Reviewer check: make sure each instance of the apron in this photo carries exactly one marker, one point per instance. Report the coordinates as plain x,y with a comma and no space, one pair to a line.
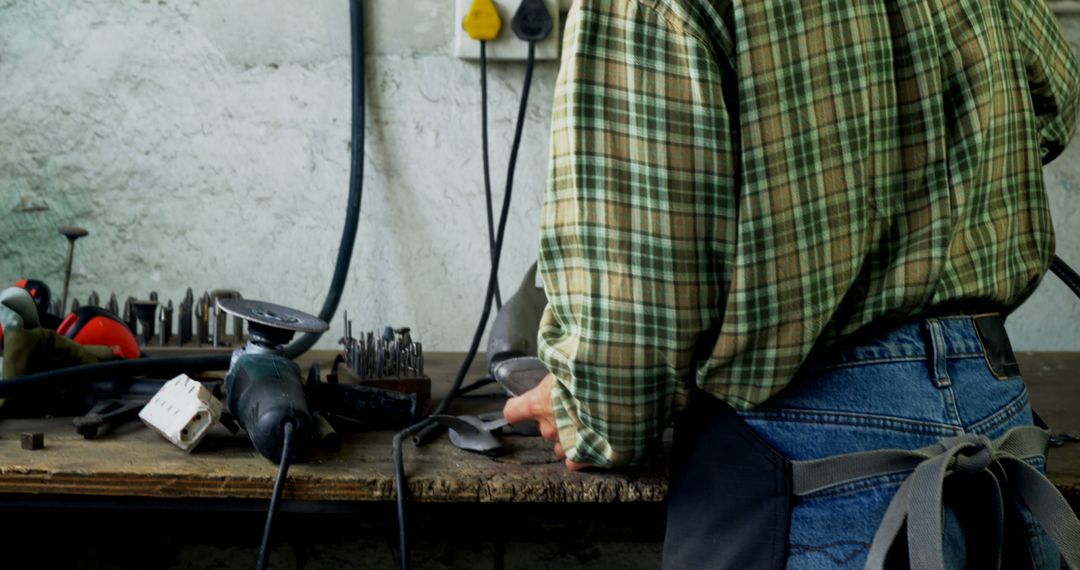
731,493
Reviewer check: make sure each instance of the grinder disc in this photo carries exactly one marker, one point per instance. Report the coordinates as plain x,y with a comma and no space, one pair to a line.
271,315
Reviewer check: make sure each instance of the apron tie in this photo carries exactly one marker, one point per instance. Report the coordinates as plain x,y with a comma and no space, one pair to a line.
991,471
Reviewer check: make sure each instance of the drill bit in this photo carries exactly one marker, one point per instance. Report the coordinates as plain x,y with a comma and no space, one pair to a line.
238,331
129,314
166,324
145,311
204,334
202,324
238,328
217,326
345,322
184,326
370,353
161,326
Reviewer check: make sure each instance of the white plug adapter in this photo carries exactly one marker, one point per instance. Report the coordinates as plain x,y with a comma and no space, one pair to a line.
182,411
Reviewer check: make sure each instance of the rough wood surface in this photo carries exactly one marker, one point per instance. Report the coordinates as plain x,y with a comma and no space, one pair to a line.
136,462
1053,380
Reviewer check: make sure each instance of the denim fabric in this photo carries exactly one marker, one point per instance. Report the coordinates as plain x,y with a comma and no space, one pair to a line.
904,388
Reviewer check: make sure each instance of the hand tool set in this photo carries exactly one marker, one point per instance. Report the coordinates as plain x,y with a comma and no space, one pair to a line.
389,360
389,353
193,323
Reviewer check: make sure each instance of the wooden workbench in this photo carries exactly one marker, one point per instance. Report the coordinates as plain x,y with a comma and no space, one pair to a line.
136,462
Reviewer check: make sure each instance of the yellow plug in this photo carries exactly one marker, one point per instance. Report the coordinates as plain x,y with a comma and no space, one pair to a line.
483,21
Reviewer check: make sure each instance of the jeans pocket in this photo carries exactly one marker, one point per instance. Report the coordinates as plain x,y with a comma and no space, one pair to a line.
836,529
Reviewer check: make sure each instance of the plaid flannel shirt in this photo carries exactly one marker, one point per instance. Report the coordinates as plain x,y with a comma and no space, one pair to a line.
776,175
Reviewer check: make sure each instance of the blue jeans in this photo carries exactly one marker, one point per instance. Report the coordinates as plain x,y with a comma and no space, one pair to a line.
907,387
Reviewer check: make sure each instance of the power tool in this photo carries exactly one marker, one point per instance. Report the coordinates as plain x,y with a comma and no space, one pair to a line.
262,388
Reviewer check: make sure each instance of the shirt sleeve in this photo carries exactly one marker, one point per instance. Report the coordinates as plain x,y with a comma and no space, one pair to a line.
637,225
1051,72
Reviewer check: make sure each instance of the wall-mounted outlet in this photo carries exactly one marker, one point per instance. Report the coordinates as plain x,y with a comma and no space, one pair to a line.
507,46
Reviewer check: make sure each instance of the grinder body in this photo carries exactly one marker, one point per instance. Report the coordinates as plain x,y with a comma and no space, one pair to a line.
263,392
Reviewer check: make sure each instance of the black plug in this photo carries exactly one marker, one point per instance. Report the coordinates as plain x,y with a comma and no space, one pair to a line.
532,22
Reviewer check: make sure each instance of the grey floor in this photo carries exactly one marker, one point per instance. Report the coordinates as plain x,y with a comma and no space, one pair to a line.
61,532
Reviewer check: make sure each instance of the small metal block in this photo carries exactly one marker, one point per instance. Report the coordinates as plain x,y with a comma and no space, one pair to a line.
33,440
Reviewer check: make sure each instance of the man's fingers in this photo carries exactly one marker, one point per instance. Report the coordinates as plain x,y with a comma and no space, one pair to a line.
549,431
516,410
532,405
536,405
571,466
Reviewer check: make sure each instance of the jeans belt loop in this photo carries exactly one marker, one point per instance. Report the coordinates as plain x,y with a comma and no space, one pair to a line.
938,360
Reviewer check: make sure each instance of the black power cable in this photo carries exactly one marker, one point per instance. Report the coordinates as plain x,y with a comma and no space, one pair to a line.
86,374
1066,274
399,463
356,185
487,162
275,497
476,385
169,366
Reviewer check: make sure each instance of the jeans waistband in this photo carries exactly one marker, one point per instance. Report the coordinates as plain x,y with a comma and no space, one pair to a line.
931,338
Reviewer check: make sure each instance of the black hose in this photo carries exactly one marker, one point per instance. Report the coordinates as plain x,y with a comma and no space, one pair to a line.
398,459
170,366
356,186
1066,274
487,162
476,385
275,497
401,490
89,373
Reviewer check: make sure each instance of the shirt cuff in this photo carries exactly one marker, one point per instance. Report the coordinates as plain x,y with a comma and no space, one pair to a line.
579,442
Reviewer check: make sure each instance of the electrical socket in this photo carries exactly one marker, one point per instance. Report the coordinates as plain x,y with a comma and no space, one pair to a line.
182,411
507,46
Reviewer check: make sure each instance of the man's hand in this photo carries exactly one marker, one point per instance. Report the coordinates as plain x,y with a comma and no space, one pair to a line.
536,405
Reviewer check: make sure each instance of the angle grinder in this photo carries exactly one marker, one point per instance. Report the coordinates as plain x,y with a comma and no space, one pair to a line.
263,389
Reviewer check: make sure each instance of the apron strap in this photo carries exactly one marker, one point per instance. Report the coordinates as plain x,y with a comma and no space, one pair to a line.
919,502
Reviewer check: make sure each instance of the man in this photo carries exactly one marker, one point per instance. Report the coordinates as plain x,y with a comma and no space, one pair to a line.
795,210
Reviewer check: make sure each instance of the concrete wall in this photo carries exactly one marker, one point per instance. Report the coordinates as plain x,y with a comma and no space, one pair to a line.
206,144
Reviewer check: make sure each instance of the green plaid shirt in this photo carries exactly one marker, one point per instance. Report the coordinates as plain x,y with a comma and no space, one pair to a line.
780,174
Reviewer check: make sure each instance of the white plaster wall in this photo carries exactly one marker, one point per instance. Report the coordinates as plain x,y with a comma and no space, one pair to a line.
206,144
